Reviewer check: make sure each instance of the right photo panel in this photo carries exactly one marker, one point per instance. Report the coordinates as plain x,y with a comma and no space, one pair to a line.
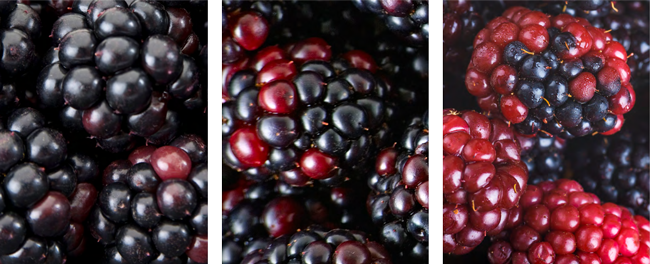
325,132
545,132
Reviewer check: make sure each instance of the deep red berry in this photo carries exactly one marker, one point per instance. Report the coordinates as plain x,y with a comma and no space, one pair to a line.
279,97
311,49
249,29
171,163
248,147
316,164
282,216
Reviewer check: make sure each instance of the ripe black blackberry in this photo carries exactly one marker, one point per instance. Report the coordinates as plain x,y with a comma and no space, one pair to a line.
317,244
398,202
409,20
46,194
544,157
305,111
558,75
256,213
118,71
615,167
153,206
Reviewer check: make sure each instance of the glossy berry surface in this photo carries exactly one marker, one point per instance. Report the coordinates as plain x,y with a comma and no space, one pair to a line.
305,110
147,211
581,229
557,75
483,179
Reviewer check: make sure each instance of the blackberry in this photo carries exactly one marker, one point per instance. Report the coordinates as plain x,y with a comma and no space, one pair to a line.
614,167
120,72
574,72
46,194
483,179
561,223
398,203
155,208
544,157
256,213
407,19
317,244
318,114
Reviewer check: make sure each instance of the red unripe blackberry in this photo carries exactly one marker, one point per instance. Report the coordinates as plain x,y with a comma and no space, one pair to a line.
483,178
581,231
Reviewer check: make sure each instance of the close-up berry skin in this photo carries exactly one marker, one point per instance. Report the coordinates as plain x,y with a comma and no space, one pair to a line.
557,75
305,111
483,179
561,223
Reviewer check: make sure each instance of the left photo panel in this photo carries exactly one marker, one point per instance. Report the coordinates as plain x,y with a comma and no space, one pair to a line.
103,131
325,132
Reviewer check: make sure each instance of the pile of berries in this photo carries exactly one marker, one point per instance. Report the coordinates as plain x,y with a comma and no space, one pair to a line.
554,80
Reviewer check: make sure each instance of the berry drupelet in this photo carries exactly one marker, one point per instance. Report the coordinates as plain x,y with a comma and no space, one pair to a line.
407,19
558,75
560,223
46,195
483,179
301,111
255,213
399,200
543,155
153,206
118,71
615,167
317,244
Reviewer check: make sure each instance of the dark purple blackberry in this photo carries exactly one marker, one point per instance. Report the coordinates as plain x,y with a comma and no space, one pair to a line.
257,213
46,194
407,19
155,207
614,167
398,203
319,115
317,244
122,70
544,157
